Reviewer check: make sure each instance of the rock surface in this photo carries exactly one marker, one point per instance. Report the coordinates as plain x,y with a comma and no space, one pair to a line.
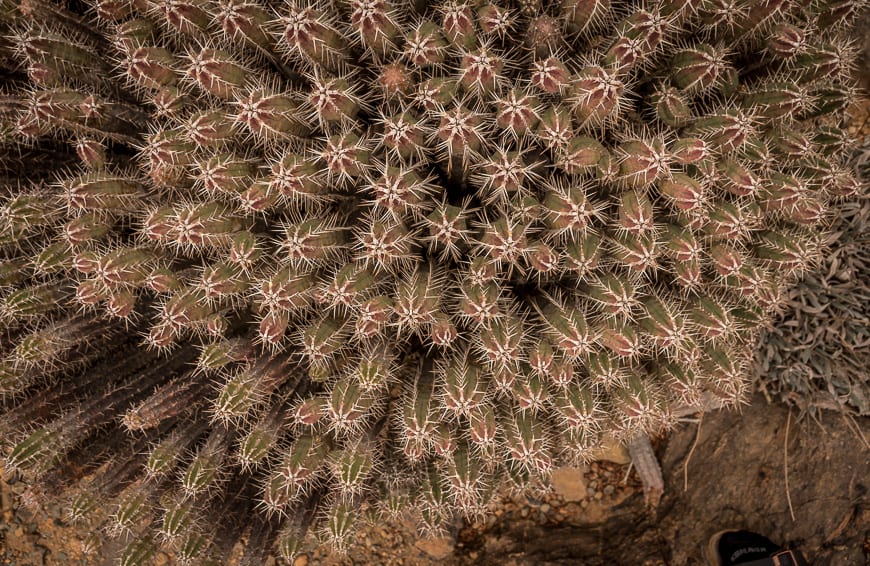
569,483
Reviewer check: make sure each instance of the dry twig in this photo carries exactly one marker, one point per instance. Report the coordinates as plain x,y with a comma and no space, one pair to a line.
691,451
785,465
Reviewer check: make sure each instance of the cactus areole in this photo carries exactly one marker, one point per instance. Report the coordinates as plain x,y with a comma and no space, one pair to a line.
270,270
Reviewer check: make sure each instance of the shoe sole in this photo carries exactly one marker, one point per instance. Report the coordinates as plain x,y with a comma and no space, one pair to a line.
711,552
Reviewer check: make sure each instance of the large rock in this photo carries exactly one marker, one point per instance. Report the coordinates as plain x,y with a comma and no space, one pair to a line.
438,548
569,483
612,451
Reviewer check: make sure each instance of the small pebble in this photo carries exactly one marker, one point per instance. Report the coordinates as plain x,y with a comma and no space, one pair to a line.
608,490
545,508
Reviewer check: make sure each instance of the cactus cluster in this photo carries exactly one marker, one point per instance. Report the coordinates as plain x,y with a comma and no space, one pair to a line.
272,269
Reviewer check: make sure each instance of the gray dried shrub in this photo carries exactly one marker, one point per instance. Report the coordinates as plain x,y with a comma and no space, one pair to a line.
816,353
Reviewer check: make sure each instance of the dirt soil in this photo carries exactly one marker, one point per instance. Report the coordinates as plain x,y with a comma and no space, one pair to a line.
734,477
